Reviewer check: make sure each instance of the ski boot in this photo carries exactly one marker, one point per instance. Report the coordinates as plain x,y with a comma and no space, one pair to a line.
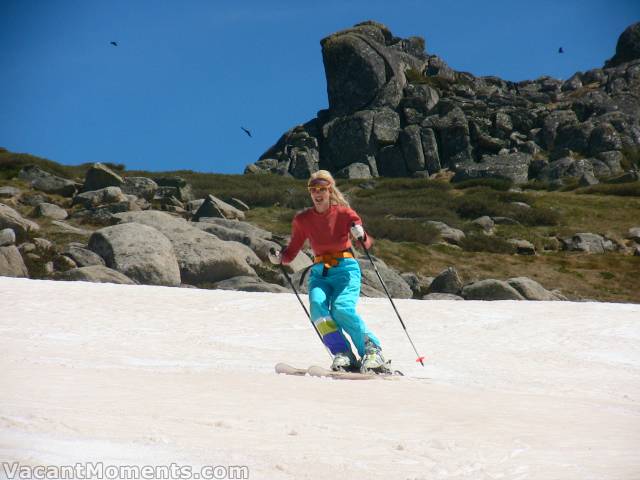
344,362
373,361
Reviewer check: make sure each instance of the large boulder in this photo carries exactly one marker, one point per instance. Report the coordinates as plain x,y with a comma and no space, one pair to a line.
386,127
177,187
573,137
355,68
357,170
22,227
100,176
50,210
202,257
430,150
523,247
490,290
348,139
411,144
613,161
11,263
47,182
250,284
64,227
391,162
551,124
303,161
261,246
214,207
246,227
441,296
83,257
93,198
141,187
396,285
588,243
7,237
511,166
138,251
95,274
531,290
9,192
447,281
604,138
448,234
628,46
452,128
55,185
566,167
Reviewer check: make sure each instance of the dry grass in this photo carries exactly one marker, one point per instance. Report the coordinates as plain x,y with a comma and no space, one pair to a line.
612,277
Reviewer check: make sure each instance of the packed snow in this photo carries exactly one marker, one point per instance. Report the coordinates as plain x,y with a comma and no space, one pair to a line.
142,375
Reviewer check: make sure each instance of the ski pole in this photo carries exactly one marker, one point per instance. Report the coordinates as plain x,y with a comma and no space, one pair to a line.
420,358
286,275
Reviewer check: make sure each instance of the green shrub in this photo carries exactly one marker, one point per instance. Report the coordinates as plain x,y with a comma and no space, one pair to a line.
383,185
479,242
408,230
11,164
427,203
536,185
631,158
477,205
480,202
631,189
537,216
500,184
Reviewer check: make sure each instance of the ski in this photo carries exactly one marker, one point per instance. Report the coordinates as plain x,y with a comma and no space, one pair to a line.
316,371
287,369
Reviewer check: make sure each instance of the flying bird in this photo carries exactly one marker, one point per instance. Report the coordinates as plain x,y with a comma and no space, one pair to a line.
561,50
115,44
246,131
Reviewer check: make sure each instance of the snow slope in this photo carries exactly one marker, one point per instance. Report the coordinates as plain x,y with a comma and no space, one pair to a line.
151,375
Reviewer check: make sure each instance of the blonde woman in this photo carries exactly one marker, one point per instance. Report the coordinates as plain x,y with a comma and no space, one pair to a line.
334,279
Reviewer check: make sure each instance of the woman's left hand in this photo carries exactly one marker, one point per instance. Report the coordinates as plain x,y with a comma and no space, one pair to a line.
357,231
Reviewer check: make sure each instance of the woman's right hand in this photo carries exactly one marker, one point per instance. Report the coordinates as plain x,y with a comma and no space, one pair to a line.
275,256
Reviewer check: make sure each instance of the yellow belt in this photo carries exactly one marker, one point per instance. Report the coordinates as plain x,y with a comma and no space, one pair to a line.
331,259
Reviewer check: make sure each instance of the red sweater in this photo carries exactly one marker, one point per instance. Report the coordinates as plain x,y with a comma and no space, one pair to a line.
327,232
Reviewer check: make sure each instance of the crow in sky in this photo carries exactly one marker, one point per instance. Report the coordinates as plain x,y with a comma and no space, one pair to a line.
246,131
115,44
561,50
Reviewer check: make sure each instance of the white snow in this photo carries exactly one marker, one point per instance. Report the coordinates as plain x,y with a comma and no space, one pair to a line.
141,375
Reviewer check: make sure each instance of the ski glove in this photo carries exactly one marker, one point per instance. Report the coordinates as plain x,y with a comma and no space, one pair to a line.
357,231
275,257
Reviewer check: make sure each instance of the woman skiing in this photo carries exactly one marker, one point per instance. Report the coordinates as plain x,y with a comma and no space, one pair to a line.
334,279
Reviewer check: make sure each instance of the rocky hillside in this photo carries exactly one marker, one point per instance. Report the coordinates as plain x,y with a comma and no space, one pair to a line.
434,239
397,111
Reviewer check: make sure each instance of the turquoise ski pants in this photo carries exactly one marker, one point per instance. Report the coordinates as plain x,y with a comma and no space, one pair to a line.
333,298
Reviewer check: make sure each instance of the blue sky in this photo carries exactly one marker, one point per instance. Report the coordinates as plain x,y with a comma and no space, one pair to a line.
186,75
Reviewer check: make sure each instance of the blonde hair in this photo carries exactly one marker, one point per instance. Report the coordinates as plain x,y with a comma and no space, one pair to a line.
335,196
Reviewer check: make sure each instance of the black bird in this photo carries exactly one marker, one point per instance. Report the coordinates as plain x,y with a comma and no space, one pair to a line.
560,50
246,131
115,44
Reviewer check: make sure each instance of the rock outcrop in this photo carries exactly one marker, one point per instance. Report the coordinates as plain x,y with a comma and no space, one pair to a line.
396,110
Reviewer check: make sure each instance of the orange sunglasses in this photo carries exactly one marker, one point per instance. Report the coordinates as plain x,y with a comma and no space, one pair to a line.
318,189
